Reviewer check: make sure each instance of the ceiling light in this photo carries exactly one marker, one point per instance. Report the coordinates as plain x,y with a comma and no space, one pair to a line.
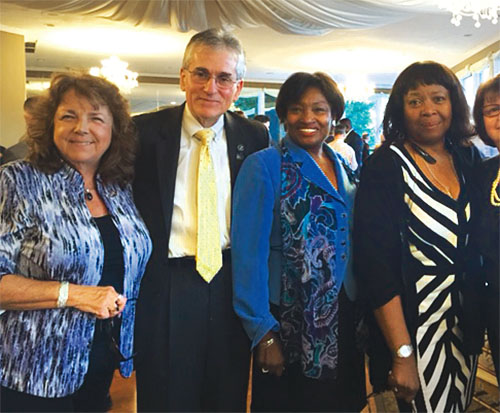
357,88
121,42
37,85
477,9
115,70
348,61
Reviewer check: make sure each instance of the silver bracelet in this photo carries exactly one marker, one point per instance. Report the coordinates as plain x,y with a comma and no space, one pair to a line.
267,343
63,294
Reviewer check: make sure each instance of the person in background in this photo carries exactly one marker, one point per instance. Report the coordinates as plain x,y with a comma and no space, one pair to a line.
342,148
353,140
412,223
365,137
72,252
193,353
20,149
266,120
291,252
486,114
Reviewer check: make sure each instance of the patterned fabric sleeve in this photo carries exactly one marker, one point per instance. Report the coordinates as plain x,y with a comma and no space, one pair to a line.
13,221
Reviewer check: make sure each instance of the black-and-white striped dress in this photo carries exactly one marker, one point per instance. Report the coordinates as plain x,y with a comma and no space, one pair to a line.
437,238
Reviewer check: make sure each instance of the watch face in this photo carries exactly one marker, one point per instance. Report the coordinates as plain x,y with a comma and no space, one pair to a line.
405,351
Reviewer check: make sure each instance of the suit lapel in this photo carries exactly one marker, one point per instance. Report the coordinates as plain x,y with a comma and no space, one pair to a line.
235,146
167,157
311,170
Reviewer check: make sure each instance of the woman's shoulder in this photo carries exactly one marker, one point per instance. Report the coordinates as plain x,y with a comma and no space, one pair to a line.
490,164
19,170
268,157
487,170
467,154
382,163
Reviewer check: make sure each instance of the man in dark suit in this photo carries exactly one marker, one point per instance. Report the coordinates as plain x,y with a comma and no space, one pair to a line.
353,140
20,149
193,354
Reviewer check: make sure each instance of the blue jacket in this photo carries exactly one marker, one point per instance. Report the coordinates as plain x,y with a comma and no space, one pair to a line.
256,245
47,233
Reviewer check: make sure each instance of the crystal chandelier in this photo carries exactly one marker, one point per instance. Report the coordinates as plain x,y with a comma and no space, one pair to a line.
115,70
477,9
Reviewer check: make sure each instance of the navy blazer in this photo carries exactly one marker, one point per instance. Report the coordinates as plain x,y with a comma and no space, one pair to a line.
256,233
154,188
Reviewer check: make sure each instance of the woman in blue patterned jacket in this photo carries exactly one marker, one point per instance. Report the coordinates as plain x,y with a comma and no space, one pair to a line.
72,252
290,243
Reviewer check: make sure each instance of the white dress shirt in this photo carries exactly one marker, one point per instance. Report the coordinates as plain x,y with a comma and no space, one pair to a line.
183,234
345,151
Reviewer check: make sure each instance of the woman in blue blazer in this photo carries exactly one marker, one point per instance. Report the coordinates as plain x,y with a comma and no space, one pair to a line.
291,259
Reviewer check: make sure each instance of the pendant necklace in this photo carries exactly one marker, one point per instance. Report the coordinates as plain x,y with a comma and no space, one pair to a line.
494,198
429,159
436,182
88,195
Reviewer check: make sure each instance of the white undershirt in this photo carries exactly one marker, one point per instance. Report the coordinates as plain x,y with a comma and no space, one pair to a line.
183,234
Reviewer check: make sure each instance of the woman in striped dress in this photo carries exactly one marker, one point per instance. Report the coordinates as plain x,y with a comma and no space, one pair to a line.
411,230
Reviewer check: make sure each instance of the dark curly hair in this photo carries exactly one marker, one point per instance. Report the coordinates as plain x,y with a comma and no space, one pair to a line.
295,86
427,73
491,86
117,163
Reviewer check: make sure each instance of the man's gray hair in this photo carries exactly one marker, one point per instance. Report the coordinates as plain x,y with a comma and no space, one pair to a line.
216,39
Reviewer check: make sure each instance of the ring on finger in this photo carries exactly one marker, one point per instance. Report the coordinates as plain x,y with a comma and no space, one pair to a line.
117,306
265,371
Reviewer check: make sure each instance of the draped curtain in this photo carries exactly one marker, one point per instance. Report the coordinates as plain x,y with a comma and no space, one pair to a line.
306,17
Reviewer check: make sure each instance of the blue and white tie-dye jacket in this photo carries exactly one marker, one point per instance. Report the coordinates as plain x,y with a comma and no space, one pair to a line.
47,233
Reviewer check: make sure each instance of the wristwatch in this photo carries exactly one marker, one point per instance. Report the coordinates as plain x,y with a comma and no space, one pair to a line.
404,351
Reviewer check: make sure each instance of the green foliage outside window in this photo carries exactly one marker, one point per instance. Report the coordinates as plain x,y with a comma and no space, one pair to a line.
359,114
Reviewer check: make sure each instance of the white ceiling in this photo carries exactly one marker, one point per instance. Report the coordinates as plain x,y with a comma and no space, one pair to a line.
70,40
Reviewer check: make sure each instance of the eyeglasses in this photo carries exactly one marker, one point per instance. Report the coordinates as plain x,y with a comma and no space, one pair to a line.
491,111
201,77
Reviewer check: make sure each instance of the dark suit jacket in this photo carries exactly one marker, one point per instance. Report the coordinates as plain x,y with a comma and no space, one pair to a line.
154,187
355,141
14,152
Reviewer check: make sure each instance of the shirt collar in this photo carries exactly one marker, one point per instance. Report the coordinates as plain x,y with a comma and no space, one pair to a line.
191,125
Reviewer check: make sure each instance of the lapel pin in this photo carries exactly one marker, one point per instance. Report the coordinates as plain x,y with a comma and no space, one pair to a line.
239,152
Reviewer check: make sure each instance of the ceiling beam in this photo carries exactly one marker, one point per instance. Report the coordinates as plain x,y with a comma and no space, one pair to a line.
492,48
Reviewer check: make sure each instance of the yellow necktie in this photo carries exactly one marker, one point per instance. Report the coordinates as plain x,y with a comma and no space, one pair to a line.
208,252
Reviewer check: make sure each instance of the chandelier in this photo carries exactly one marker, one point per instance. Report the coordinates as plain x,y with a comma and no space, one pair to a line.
115,70
477,9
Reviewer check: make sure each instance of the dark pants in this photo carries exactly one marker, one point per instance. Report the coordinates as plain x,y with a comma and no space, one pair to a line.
200,358
14,401
296,393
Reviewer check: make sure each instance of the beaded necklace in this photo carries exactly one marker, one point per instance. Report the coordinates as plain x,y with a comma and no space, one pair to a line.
494,198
